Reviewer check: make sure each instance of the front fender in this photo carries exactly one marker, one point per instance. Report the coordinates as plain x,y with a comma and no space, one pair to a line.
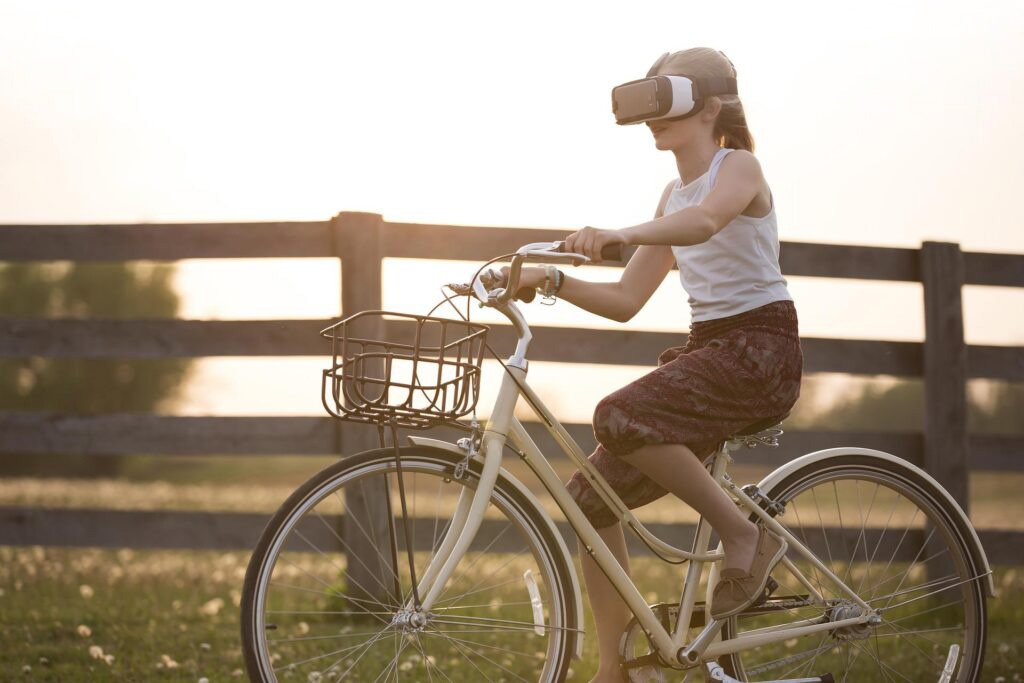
526,493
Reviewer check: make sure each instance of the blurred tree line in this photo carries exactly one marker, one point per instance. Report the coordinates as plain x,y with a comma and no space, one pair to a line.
77,385
899,407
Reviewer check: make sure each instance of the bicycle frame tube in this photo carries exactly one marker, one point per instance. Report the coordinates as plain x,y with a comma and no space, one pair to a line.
464,526
470,509
668,645
503,426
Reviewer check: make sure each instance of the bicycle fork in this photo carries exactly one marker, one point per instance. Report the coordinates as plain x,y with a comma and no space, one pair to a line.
469,511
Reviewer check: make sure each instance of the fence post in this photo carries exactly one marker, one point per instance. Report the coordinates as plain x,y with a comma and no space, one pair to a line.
357,240
945,381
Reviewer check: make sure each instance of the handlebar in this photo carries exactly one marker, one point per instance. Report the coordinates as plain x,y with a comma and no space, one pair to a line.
486,286
550,252
611,252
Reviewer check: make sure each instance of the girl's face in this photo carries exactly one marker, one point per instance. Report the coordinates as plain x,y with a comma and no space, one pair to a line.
670,135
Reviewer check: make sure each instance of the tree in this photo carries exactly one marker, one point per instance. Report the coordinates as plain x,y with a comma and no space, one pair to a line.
1003,413
85,386
899,407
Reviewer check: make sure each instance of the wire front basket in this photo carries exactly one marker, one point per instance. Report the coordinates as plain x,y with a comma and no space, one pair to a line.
428,374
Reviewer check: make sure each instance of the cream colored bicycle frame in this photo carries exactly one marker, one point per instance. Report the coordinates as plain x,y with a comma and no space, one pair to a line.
503,427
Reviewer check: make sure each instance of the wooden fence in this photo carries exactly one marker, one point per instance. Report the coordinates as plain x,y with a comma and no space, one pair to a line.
361,241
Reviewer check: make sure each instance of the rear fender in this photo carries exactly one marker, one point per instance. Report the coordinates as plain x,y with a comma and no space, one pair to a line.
977,551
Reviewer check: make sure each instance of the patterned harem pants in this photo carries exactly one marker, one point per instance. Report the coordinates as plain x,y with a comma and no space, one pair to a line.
731,373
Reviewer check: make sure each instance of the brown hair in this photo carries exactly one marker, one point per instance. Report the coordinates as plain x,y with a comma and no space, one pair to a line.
731,125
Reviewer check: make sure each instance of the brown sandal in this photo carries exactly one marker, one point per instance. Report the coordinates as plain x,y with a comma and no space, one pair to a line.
737,589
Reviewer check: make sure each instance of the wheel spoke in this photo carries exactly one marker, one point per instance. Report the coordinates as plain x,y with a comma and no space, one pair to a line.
881,533
461,645
483,616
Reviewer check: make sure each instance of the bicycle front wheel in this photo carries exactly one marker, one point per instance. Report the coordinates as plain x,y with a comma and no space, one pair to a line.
891,536
329,585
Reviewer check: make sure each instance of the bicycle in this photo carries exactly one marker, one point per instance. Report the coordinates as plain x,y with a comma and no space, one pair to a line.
430,561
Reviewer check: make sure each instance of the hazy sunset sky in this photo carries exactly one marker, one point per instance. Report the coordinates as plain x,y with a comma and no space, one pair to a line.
879,123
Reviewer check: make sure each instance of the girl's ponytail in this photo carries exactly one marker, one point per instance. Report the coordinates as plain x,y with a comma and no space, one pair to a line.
731,126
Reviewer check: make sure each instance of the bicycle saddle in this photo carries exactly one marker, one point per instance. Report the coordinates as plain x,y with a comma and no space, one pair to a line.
761,425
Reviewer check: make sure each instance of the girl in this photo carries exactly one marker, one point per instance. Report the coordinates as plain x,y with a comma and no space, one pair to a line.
742,361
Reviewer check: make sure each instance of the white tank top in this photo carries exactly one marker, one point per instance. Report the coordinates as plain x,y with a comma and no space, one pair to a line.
737,270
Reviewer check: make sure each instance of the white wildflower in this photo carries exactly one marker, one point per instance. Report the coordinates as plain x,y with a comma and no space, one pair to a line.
83,631
212,607
86,591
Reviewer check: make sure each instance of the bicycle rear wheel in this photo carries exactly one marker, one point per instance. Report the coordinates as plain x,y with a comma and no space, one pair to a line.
326,587
892,537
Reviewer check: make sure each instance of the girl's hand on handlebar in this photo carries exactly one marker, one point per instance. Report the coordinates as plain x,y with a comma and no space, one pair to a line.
590,241
530,278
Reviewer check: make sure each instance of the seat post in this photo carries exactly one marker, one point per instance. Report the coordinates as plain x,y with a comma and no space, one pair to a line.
720,460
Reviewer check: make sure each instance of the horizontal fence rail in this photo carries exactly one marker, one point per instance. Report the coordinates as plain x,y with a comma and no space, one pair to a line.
361,241
84,527
171,241
198,338
38,433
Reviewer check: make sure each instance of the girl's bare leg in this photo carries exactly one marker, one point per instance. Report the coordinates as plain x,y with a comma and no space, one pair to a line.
677,469
610,612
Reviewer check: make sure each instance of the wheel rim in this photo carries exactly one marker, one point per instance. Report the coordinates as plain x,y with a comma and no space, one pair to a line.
319,615
893,543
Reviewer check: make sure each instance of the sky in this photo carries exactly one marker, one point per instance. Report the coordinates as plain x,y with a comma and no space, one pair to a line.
876,123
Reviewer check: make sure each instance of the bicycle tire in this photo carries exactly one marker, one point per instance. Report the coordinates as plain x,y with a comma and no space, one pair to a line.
450,634
931,614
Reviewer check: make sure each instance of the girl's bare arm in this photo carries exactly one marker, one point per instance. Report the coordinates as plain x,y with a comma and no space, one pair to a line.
739,181
623,299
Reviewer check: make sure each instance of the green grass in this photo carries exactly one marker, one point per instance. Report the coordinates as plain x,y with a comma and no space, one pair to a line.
174,615
165,615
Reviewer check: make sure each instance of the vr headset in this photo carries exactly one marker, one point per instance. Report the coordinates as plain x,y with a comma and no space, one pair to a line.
669,98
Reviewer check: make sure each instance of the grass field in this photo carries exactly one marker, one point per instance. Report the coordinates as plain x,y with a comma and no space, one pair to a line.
89,614
132,615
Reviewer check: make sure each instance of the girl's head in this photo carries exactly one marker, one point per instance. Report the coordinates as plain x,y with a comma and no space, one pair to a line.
722,114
